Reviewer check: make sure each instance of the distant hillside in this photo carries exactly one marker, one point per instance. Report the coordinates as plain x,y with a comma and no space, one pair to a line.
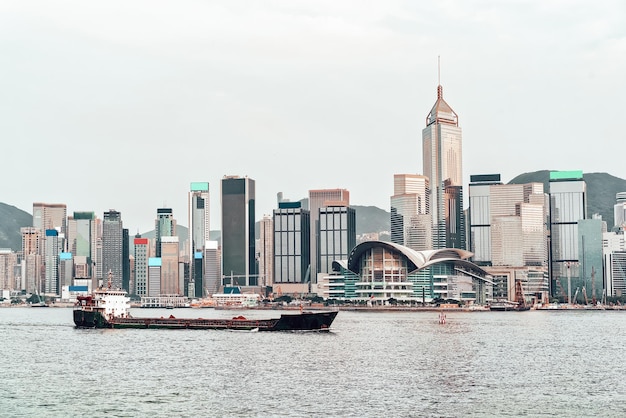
601,190
11,220
371,219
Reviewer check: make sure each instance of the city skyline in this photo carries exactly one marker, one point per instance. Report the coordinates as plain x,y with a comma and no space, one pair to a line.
268,89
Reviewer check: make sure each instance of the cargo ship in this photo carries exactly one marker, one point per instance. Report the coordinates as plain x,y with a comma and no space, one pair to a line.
107,308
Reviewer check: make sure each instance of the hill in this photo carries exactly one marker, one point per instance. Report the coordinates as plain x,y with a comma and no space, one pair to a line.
371,219
11,220
601,191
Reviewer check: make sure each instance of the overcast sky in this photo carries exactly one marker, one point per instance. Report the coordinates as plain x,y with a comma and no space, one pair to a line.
121,104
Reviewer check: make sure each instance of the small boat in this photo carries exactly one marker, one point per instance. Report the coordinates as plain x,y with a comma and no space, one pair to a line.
107,308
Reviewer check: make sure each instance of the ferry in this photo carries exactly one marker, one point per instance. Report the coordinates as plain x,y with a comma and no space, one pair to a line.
108,308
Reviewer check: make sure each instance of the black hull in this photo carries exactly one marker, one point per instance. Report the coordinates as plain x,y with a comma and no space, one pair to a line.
509,308
307,321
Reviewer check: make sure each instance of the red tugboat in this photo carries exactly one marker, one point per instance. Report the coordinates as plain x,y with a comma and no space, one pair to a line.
108,308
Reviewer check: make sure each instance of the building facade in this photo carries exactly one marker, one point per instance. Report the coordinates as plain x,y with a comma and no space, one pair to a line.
81,242
51,262
113,248
590,242
410,221
238,231
568,205
154,276
170,278
619,210
198,206
142,254
442,164
508,235
265,248
614,255
336,235
8,264
318,199
212,268
164,226
291,244
380,272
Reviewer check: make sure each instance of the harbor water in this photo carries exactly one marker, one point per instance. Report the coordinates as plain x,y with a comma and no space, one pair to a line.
402,364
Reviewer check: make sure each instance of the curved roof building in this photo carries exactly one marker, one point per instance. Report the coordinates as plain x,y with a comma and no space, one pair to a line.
379,271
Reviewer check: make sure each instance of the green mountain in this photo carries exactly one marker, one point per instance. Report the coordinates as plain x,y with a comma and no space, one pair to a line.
11,220
371,219
601,191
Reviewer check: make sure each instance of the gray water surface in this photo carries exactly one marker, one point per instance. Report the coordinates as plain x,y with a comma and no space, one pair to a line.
490,364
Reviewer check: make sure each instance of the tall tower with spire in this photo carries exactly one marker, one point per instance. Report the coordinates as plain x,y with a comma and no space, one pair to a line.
442,158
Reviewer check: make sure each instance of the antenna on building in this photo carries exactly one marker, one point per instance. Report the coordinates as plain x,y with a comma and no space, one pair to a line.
439,88
438,70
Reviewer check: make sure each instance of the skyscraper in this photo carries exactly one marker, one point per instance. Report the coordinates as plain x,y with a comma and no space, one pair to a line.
266,251
112,248
31,259
318,199
50,216
442,160
568,205
336,235
81,237
518,211
170,284
211,266
238,231
619,210
410,221
291,243
154,276
51,260
164,226
142,252
198,206
8,264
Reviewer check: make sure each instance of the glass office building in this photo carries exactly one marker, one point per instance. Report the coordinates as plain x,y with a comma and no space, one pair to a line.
568,205
292,256
337,235
112,248
238,231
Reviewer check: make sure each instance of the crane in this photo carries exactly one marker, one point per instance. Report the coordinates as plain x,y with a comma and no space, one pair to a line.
562,290
585,295
593,286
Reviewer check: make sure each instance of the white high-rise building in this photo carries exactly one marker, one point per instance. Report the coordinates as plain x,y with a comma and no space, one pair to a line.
410,221
614,254
442,164
112,251
266,251
142,254
619,210
212,269
8,262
